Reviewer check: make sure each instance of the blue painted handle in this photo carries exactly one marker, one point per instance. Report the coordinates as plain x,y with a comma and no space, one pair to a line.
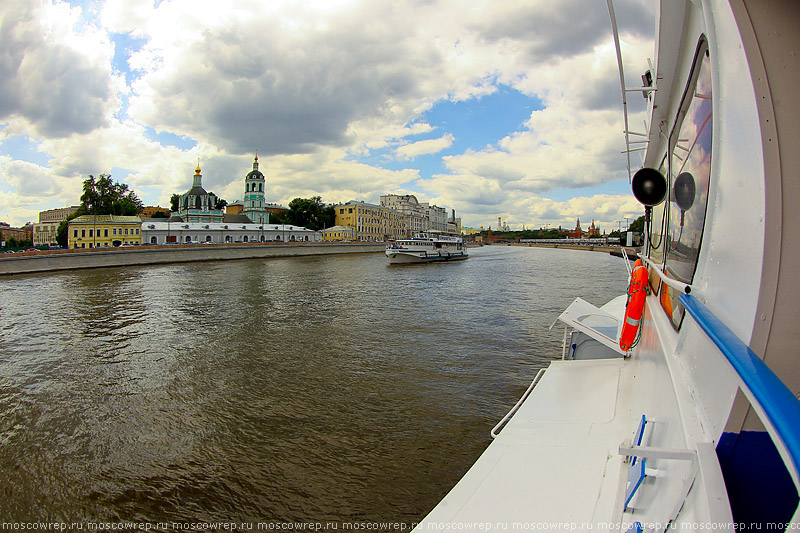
780,405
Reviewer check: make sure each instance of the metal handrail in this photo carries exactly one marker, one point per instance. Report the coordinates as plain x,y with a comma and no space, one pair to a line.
627,261
622,83
776,405
672,282
496,430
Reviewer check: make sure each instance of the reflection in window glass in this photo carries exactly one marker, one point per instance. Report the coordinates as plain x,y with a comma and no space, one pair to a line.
657,227
690,170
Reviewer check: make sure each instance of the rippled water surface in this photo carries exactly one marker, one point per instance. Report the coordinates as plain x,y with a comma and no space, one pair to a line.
328,388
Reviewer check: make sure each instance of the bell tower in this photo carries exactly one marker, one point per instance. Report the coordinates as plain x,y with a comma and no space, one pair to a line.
254,204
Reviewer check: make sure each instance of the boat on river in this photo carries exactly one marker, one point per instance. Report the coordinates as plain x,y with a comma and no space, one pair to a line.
427,248
691,420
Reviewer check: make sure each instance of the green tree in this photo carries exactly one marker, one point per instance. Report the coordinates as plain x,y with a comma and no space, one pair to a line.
14,243
220,203
281,217
62,237
310,213
101,196
174,200
637,225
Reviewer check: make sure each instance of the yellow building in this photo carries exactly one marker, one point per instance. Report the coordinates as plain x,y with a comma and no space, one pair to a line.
235,208
338,233
372,222
104,231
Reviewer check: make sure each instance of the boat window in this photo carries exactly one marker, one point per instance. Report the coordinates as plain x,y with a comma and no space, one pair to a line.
690,171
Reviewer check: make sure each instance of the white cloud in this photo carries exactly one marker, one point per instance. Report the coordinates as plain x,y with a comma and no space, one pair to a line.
427,146
328,175
33,188
314,87
32,183
55,79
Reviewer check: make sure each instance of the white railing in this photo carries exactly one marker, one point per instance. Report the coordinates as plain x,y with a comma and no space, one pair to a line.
496,430
671,282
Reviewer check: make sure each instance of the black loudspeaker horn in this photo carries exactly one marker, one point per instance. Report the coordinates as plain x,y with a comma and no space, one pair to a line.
649,186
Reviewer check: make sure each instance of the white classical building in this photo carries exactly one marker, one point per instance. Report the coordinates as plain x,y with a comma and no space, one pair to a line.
46,230
169,232
437,217
409,206
422,215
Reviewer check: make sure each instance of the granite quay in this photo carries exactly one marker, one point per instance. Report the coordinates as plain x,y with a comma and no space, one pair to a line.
55,260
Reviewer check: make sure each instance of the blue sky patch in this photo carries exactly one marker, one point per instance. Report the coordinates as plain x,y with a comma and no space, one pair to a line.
21,148
124,46
165,138
474,124
118,174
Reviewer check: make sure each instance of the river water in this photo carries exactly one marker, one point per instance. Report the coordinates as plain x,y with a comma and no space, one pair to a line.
322,389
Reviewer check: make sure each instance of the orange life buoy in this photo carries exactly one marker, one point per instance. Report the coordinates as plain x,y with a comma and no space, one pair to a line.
637,290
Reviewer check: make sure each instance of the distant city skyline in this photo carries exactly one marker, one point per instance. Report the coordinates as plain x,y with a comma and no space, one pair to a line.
499,109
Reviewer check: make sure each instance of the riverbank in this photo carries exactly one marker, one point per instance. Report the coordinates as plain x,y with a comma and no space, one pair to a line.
57,260
565,246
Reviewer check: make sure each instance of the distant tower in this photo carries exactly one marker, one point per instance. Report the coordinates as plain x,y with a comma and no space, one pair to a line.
254,205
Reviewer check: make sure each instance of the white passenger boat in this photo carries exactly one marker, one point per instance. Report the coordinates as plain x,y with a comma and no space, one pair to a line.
695,427
426,248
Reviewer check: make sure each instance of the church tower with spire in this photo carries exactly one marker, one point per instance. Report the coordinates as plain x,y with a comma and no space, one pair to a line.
197,205
254,204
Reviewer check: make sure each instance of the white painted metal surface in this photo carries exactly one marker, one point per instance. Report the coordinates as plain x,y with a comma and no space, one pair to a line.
596,322
564,438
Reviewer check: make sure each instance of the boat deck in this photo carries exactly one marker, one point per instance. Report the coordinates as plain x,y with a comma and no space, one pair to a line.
556,464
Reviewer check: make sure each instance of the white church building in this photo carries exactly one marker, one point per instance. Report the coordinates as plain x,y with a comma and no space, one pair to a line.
198,220
156,231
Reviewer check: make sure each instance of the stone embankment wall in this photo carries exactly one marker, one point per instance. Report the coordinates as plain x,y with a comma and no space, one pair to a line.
55,260
590,248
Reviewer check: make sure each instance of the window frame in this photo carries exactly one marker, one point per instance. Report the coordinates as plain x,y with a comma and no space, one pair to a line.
702,53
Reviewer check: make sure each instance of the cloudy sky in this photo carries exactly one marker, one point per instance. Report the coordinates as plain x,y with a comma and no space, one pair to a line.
489,107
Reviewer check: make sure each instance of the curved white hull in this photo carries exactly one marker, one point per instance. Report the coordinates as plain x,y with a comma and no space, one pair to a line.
427,248
400,257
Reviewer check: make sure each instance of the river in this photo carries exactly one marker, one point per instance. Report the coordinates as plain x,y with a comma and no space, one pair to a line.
322,389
